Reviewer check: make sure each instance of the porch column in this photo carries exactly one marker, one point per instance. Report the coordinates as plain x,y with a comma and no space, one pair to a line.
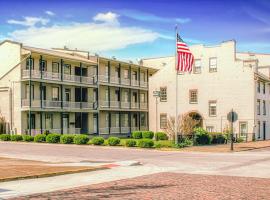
41,128
129,121
110,122
120,97
129,71
139,122
30,94
80,72
62,69
109,71
139,99
61,95
129,98
61,121
120,131
147,78
139,76
109,96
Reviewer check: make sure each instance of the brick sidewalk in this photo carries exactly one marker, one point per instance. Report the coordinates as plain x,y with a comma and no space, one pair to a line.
168,186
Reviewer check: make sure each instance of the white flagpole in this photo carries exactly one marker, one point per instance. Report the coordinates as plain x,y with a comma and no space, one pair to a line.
176,88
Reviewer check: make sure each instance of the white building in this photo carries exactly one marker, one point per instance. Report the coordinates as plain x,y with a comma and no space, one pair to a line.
222,79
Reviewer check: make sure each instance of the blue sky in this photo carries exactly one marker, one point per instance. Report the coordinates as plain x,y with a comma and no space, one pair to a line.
136,29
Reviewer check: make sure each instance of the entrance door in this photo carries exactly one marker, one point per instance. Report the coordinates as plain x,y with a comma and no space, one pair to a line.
264,130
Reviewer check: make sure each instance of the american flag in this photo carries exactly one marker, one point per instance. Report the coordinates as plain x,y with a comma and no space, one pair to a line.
185,58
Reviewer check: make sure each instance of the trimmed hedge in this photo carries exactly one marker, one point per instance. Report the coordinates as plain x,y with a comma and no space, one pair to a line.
161,136
131,143
201,136
5,137
113,141
136,134
53,138
145,143
40,138
97,140
16,138
147,134
67,139
81,139
28,138
218,139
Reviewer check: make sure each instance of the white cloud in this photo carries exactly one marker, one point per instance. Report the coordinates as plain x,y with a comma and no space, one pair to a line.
108,17
85,36
50,13
29,21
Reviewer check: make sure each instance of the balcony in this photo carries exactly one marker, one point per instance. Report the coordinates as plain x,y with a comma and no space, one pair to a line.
134,105
115,104
122,105
135,83
51,104
115,130
45,75
125,104
143,106
143,84
115,80
125,81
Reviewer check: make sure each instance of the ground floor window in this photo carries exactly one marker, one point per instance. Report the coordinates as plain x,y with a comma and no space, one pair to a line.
49,121
259,129
243,129
163,121
143,119
32,121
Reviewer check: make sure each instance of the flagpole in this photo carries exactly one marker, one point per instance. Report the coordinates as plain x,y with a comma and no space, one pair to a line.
176,88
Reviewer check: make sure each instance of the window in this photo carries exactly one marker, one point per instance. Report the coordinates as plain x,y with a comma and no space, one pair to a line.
43,65
263,88
126,95
243,129
163,121
27,91
259,129
258,87
212,64
117,120
67,94
134,75
142,97
212,108
107,119
163,94
32,121
30,63
197,66
143,77
117,95
264,107
126,76
48,121
55,67
143,119
67,69
55,94
107,94
117,72
258,107
193,96
210,129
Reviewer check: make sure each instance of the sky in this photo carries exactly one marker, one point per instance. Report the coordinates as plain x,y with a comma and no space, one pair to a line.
136,29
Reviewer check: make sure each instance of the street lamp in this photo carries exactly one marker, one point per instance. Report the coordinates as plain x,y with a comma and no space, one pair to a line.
156,94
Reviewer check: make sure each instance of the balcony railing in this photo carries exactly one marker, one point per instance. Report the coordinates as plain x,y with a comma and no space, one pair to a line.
134,105
143,105
134,129
104,130
115,104
103,78
134,82
65,131
125,104
125,81
57,104
92,79
143,84
125,129
115,130
122,105
114,79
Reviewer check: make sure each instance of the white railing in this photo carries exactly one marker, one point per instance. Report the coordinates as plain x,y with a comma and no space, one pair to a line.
87,105
104,130
51,76
134,129
34,103
104,104
88,80
143,128
125,129
143,105
115,130
103,78
125,81
51,104
71,78
71,105
134,105
34,74
143,84
114,79
125,104
134,82
115,104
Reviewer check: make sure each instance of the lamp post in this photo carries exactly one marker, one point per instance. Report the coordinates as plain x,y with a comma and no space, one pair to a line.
156,94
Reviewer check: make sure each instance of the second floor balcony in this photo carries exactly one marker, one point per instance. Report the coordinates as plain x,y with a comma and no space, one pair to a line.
122,81
45,75
123,105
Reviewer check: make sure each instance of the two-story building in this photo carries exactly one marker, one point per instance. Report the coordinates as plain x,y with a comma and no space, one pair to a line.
221,80
70,91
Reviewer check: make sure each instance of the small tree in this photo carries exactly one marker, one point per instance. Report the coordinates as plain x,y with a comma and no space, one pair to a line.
2,125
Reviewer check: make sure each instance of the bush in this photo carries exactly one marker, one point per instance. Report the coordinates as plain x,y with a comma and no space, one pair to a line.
53,138
28,138
40,138
185,142
97,140
130,143
16,138
137,134
5,137
161,136
81,139
145,143
67,139
218,138
201,136
239,139
148,134
164,144
113,141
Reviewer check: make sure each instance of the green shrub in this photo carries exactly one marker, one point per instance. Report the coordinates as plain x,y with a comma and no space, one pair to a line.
16,138
113,141
145,143
97,140
66,139
130,143
163,144
5,137
161,136
185,142
239,139
217,138
81,139
201,136
147,134
40,138
28,138
53,138
137,134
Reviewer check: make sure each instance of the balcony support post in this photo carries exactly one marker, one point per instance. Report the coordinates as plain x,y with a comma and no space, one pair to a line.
109,72
40,66
109,96
81,97
80,72
139,122
129,98
120,97
41,94
62,69
61,121
61,95
120,131
139,99
147,78
120,73
41,128
129,122
129,71
110,123
139,76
